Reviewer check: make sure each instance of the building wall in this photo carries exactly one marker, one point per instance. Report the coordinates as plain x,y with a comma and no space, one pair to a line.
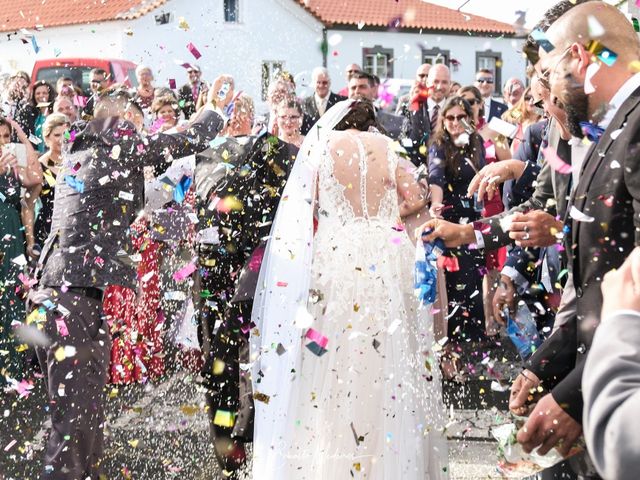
346,47
95,40
273,30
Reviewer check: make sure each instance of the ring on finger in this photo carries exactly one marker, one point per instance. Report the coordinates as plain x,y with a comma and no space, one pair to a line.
526,236
526,228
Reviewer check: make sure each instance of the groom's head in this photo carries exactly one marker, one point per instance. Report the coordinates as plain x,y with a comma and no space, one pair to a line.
361,84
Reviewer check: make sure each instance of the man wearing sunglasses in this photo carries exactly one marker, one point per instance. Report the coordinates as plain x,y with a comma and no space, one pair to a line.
190,91
485,83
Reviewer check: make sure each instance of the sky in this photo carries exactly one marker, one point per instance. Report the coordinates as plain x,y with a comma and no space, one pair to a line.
503,10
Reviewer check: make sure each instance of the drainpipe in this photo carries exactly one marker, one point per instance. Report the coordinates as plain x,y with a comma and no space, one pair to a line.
324,47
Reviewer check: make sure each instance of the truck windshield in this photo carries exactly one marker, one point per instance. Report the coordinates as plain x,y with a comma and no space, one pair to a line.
80,75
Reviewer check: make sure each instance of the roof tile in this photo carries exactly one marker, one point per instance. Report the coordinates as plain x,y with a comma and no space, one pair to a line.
413,14
17,14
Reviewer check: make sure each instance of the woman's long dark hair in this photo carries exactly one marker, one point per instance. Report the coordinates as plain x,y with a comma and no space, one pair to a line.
476,93
361,116
454,156
51,98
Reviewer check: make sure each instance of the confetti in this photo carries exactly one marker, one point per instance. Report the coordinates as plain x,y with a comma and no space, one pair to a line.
552,158
578,216
194,51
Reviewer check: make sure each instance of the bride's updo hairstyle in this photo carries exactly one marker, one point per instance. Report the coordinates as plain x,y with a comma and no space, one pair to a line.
361,116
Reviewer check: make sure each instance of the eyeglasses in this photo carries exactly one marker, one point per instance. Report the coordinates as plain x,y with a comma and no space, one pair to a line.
485,80
423,75
451,118
98,81
473,101
192,71
322,83
545,75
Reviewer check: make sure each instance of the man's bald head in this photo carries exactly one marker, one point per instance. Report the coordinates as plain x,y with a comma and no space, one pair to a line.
439,79
573,27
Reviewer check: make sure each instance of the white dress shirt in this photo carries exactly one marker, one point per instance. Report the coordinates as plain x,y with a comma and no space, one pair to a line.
619,98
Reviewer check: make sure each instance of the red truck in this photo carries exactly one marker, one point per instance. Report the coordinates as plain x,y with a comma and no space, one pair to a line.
118,71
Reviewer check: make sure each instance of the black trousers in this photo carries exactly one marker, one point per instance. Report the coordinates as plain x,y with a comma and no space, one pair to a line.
75,365
224,334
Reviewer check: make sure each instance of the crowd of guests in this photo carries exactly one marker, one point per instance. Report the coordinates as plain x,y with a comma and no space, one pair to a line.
532,215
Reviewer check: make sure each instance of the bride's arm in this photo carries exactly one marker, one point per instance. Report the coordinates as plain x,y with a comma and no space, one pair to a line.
412,195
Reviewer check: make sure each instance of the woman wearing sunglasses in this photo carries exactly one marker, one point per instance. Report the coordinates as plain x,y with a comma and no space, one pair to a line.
455,155
524,113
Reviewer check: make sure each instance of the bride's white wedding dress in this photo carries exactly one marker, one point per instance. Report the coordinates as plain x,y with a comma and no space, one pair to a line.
370,407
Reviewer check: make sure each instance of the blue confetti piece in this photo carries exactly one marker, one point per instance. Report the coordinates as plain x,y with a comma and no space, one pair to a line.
34,43
73,182
541,39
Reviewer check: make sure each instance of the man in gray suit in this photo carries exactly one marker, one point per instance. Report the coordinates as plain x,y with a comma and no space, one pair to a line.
611,379
98,193
362,84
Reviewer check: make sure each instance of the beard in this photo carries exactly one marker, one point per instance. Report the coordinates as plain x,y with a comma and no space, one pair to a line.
576,106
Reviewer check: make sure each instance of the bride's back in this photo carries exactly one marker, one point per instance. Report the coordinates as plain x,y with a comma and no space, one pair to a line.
357,178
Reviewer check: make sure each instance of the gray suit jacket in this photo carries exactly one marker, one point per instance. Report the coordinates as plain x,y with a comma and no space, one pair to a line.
611,391
99,191
551,195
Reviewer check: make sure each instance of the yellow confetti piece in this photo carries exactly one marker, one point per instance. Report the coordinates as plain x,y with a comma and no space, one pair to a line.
634,66
59,354
133,443
182,24
113,393
224,418
22,347
190,409
218,366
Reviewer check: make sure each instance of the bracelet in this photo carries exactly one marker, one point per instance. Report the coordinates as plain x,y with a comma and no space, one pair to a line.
528,378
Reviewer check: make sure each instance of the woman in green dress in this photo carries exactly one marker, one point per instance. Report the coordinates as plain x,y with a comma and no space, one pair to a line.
16,171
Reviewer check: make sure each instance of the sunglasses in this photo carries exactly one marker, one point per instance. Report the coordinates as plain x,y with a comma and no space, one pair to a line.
423,75
289,117
472,101
528,98
451,118
485,80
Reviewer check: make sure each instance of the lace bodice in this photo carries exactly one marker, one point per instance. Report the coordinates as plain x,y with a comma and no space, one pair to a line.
357,179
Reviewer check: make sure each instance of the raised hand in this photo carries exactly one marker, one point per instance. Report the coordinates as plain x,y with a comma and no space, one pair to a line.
490,176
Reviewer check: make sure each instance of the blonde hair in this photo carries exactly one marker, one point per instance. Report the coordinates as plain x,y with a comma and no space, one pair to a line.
165,100
243,105
54,120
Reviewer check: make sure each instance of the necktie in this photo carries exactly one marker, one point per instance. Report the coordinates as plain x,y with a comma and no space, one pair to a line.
434,118
321,107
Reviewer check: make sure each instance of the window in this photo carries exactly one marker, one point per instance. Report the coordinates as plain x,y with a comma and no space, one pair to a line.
232,11
269,70
491,61
378,61
435,55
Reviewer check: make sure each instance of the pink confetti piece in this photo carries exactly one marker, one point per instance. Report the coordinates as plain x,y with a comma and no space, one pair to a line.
184,272
555,161
10,445
282,284
172,83
317,337
194,51
62,327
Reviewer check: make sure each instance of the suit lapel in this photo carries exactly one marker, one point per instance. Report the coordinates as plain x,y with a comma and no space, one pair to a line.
312,108
596,156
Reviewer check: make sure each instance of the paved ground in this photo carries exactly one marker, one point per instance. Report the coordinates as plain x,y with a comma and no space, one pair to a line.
159,432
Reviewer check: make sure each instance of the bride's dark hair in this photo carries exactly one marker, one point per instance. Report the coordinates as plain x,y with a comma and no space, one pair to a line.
361,116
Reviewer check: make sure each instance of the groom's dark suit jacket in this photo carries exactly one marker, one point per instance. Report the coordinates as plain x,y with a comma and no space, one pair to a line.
99,192
608,191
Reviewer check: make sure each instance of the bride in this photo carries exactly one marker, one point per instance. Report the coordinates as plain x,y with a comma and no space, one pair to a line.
345,382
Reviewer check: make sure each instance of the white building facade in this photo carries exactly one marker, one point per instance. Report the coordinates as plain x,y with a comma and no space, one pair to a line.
250,39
